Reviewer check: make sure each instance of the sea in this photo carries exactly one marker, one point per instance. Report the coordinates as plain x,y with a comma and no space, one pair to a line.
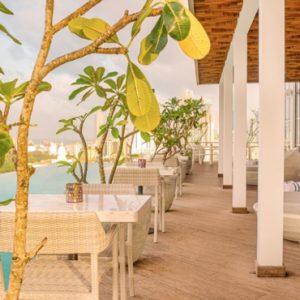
46,180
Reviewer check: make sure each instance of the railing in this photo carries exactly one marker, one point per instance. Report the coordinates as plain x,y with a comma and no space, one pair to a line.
209,152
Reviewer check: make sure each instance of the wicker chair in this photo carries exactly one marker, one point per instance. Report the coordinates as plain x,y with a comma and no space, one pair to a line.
174,163
111,189
49,276
145,177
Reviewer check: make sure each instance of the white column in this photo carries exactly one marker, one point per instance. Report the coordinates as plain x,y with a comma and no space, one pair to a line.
271,138
221,127
239,204
228,120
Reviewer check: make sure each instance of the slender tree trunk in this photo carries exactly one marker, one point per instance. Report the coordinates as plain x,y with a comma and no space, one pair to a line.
119,153
86,157
20,255
100,148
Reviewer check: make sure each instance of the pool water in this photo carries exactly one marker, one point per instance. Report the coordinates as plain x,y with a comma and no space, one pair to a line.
46,180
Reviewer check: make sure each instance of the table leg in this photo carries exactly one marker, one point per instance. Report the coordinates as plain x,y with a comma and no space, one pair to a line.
130,259
122,261
115,256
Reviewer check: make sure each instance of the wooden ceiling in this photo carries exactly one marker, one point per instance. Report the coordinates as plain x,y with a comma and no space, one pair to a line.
219,18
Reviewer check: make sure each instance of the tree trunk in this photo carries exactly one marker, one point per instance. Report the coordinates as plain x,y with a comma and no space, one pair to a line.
20,256
119,153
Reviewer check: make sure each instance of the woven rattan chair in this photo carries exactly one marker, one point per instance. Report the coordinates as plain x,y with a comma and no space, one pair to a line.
144,177
114,189
49,276
174,163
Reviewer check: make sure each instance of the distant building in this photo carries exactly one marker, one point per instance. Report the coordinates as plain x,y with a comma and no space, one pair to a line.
61,153
31,147
53,149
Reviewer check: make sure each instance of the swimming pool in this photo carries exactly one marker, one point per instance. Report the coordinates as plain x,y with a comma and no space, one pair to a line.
46,180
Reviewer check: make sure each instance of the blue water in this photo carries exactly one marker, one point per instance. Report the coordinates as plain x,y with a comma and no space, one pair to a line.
46,180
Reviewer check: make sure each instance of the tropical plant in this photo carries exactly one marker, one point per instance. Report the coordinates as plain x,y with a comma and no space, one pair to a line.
111,89
180,25
178,119
76,125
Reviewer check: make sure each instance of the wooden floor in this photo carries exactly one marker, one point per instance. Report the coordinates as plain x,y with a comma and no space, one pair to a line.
209,253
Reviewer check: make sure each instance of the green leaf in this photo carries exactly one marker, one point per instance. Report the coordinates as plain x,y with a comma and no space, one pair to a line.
44,87
149,121
63,129
110,74
1,71
6,202
86,95
5,31
5,10
102,130
94,109
146,136
120,81
6,143
176,20
90,29
63,163
136,28
100,91
73,95
115,132
89,70
99,73
146,56
122,123
111,83
158,36
139,92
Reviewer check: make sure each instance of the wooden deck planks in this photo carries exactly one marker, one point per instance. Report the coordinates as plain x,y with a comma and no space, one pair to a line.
208,252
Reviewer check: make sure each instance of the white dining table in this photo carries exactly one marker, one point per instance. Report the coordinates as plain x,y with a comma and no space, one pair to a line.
117,209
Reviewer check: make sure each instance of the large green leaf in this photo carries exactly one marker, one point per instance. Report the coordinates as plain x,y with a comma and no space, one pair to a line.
1,71
5,10
149,121
90,29
197,44
6,143
159,36
139,92
176,20
136,28
146,56
5,31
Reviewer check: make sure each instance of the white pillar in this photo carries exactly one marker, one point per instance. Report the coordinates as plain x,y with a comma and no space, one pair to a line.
221,127
271,138
239,204
228,120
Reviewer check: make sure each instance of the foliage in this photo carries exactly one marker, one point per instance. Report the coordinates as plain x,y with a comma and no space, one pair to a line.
111,90
10,93
76,125
178,119
177,22
6,202
98,33
5,10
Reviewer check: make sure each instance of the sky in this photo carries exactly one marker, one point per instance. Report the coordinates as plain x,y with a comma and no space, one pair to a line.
170,75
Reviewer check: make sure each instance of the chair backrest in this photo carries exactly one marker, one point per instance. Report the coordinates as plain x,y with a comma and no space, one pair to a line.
171,162
137,176
107,189
65,232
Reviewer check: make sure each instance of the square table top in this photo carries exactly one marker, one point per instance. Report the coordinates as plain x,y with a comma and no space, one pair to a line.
109,208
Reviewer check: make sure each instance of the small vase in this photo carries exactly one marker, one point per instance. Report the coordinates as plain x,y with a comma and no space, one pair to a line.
142,163
74,192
